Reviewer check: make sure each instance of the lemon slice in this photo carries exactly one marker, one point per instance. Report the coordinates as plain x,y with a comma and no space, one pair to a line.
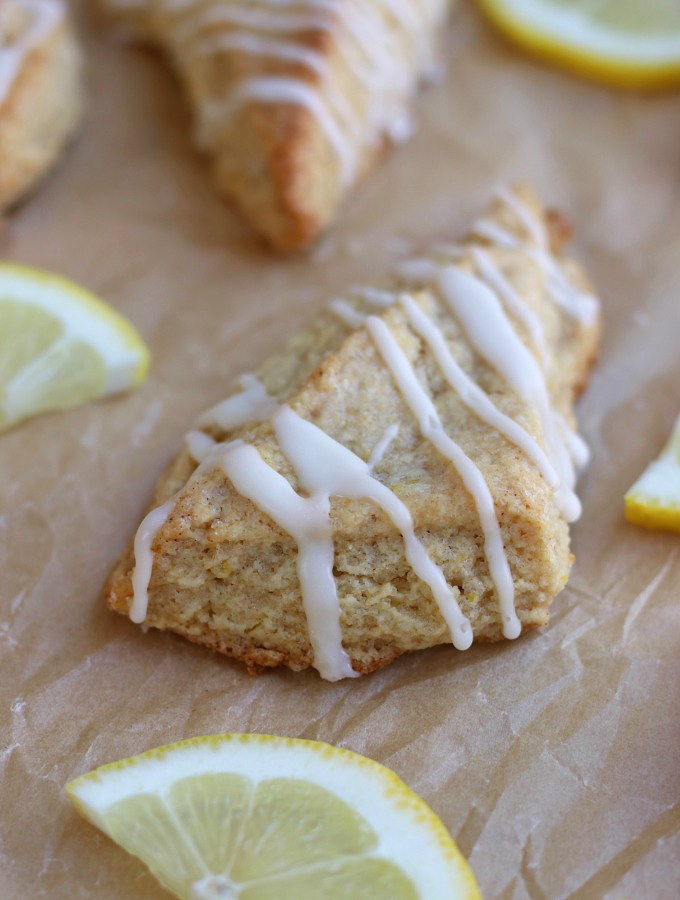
654,499
256,817
623,43
60,346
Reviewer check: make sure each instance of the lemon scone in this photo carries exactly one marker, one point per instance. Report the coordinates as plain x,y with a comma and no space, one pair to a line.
400,476
294,101
41,91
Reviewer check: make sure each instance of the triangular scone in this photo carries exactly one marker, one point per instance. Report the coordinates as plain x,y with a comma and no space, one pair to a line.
41,91
449,405
293,101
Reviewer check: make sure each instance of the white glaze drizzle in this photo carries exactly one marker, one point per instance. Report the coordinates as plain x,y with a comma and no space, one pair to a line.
257,45
198,444
581,306
445,248
43,16
577,447
491,334
141,574
374,296
537,232
491,231
346,313
492,275
350,315
250,404
418,271
472,395
422,271
423,410
380,68
381,447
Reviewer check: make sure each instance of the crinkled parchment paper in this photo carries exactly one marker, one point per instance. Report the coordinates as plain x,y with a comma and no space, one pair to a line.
553,760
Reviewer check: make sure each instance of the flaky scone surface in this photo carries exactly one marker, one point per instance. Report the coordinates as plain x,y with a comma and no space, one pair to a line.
225,574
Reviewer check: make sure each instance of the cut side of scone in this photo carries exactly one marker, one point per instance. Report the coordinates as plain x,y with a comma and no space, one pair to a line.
400,476
41,91
293,102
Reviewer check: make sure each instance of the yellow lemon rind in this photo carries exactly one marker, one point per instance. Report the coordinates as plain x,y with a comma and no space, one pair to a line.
604,69
648,514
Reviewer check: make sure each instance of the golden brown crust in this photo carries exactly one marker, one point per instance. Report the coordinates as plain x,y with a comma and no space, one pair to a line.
41,111
224,574
559,229
257,659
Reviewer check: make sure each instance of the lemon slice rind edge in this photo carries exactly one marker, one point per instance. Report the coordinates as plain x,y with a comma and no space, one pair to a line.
615,63
367,786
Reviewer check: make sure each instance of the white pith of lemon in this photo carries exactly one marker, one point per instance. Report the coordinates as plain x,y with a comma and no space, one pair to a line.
60,346
654,500
258,817
623,43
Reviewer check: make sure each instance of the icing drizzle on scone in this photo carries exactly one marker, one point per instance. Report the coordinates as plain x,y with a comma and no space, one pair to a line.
24,24
480,303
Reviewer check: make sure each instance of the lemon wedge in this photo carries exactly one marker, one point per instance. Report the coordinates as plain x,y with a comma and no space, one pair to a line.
60,346
654,499
623,43
257,817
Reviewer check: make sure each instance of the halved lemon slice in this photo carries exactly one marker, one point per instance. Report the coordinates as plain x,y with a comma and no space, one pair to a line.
654,499
60,345
623,43
257,817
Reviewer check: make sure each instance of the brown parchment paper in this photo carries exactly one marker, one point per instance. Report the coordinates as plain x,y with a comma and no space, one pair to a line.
553,760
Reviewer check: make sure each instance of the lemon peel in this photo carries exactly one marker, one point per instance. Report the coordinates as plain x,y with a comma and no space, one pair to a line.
654,500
